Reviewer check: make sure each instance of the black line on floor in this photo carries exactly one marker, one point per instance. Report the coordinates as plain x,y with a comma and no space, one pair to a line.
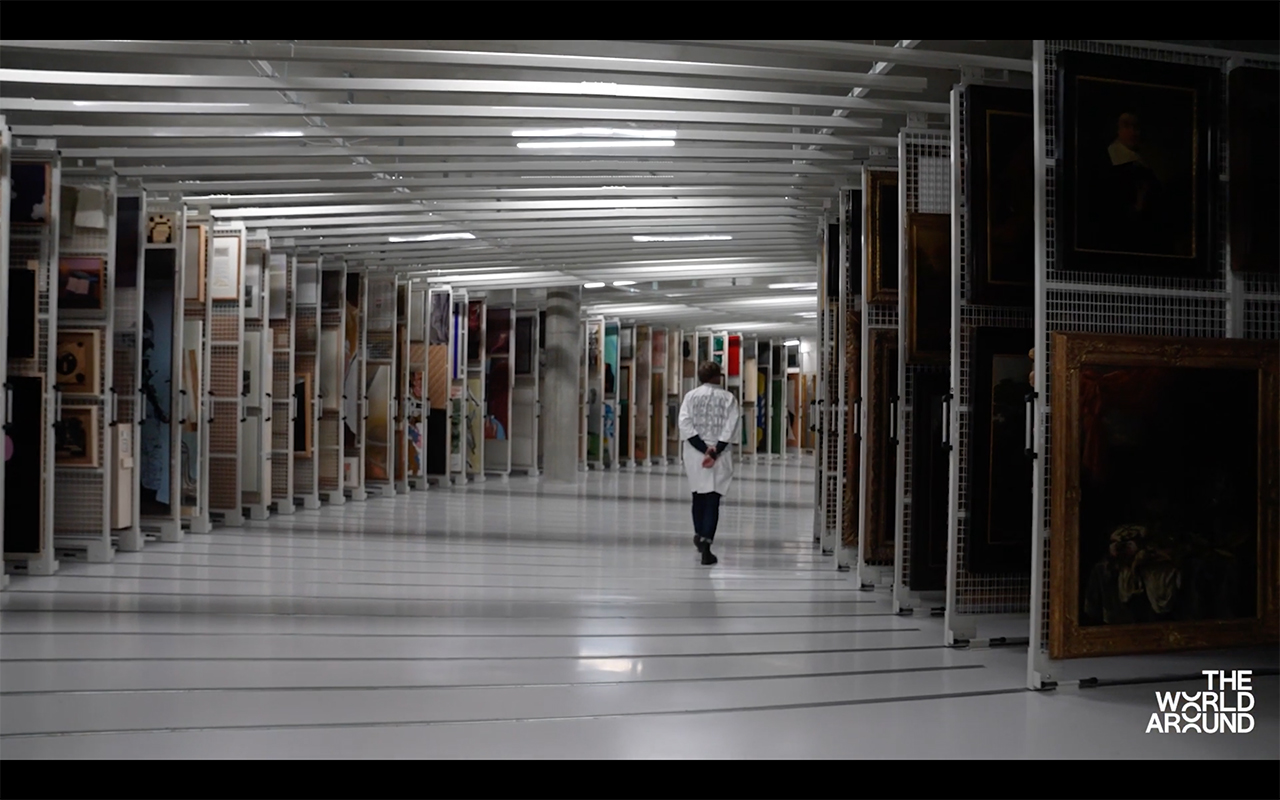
330,634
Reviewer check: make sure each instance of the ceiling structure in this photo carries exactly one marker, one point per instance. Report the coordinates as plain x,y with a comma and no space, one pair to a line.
683,182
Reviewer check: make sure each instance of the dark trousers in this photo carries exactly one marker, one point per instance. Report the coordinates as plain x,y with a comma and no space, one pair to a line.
706,514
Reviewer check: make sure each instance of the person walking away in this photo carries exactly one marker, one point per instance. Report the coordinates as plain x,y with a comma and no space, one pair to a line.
708,423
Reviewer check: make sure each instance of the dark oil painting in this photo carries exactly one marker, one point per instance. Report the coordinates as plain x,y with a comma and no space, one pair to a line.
1000,187
1136,165
930,473
882,236
929,289
881,513
999,472
853,441
1254,156
1169,452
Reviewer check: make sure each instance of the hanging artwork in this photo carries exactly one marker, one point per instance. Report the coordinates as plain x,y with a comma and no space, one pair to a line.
253,286
1000,183
192,387
1136,169
930,473
853,441
331,369
308,280
1166,506
78,361
475,425
498,416
382,304
128,241
158,334
160,229
351,472
880,514
278,295
882,236
524,345
999,472
23,455
351,388
438,325
304,415
23,318
928,289
417,315
81,283
76,437
331,290
224,269
611,359
475,330
735,356
1254,146
30,190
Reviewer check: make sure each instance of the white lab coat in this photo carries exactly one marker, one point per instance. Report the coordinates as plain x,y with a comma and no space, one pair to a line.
712,414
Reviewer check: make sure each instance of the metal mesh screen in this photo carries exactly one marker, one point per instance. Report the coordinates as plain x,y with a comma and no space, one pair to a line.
875,315
282,411
305,360
225,386
196,310
1191,307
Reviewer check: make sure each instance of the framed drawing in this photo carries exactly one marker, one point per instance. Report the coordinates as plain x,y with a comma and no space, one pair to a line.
1000,184
880,515
31,190
308,282
1166,455
79,356
24,454
853,442
23,316
882,228
930,474
1136,169
999,472
278,294
224,268
304,416
160,229
1253,124
76,437
81,282
929,289
195,247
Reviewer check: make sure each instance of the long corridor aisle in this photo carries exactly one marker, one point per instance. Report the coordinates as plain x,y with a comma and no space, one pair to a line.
513,619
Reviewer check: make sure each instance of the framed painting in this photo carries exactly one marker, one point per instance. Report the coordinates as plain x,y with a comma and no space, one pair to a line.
1000,185
929,289
880,515
195,247
78,363
1166,455
999,472
81,283
24,325
76,437
24,454
831,244
475,330
1253,124
31,190
128,241
853,440
377,427
1136,170
930,474
882,228
331,285
304,415
224,269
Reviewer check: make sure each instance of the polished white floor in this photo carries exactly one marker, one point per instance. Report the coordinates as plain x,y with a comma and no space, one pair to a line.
518,619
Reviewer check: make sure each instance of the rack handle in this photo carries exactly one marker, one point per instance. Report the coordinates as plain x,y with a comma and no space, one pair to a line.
893,419
57,404
857,417
115,408
142,393
212,406
1031,410
8,404
946,421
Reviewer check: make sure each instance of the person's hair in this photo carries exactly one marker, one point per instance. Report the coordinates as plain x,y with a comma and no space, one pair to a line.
709,372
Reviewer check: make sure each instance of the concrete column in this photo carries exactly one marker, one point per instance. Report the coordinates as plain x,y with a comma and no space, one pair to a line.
560,409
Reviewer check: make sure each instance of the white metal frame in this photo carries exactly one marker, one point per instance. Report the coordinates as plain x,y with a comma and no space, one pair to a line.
257,409
306,324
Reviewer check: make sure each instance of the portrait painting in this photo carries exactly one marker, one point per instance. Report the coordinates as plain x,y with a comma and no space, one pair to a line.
882,228
1000,185
1165,458
438,330
928,289
475,330
81,283
1135,167
76,437
78,361
930,473
999,472
880,515
1253,147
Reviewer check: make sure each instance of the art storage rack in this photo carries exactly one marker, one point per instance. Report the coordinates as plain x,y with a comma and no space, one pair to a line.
306,318
281,335
1226,304
330,437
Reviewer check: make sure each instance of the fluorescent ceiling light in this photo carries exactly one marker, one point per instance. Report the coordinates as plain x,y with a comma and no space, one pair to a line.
602,143
624,283
700,237
637,133
807,314
431,237
593,285
274,134
809,286
772,301
791,342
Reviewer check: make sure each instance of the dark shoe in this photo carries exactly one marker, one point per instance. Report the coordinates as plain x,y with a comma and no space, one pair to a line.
697,542
707,557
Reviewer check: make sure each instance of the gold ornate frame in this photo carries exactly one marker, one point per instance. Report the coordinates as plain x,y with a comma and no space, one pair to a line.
915,224
877,180
1071,351
853,444
881,485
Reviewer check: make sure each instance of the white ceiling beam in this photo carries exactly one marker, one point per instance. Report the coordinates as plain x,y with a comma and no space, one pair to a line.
457,221
589,167
293,151
555,228
524,113
464,206
402,56
548,183
152,80
937,59
381,193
